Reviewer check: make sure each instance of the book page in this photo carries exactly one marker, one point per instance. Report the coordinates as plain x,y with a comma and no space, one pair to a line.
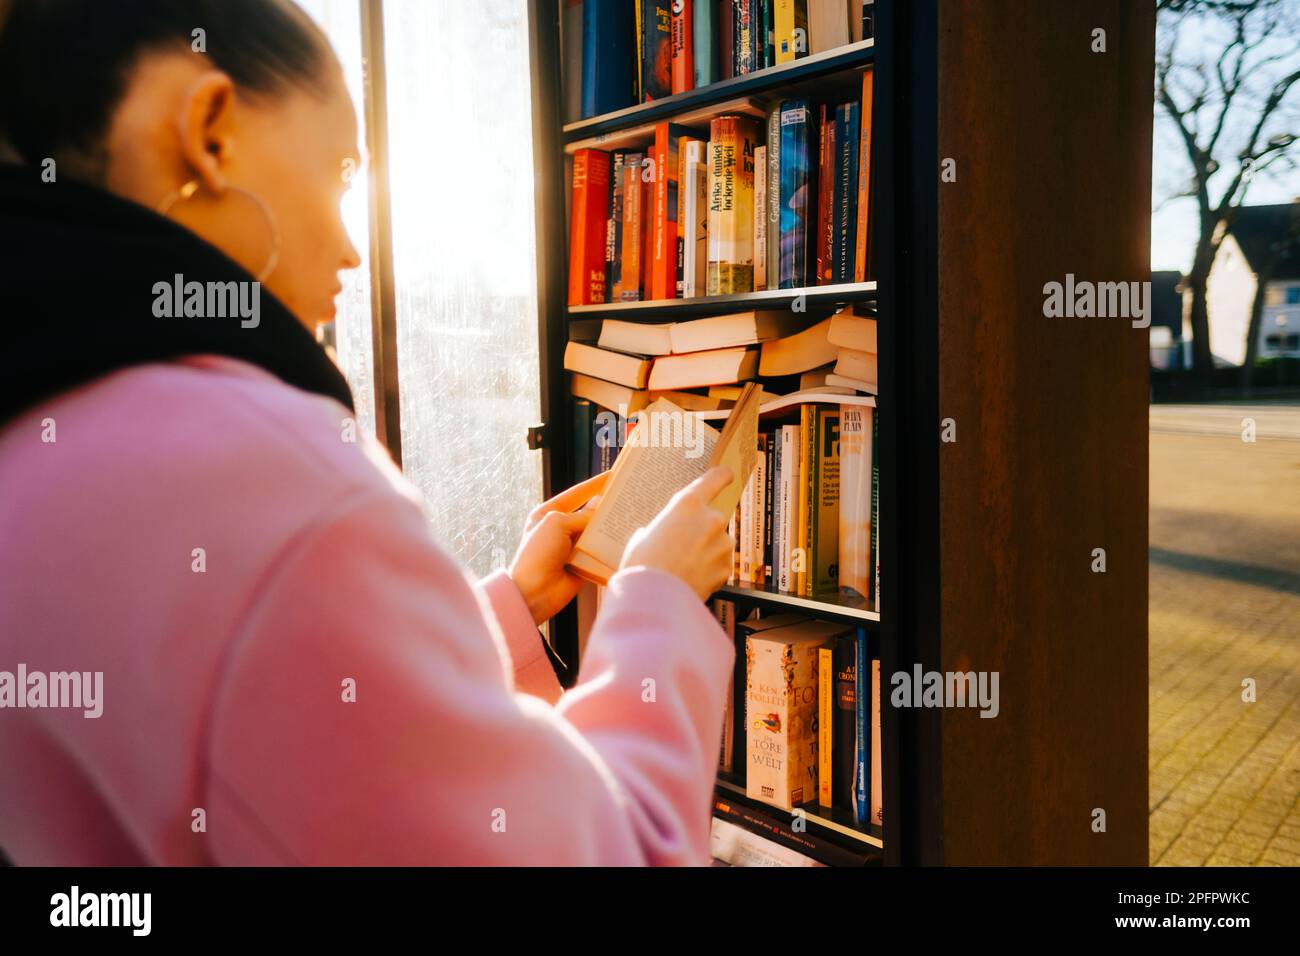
738,447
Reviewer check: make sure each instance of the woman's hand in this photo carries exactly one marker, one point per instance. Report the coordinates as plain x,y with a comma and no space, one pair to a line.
689,537
549,535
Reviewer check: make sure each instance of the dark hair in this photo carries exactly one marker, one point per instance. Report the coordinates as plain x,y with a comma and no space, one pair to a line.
64,64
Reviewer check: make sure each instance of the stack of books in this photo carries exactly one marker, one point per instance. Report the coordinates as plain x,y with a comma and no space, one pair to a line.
751,203
623,52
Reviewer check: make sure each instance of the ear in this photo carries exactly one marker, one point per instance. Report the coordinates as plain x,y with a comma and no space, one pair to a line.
206,129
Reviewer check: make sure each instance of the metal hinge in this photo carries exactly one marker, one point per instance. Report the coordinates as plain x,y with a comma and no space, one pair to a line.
537,436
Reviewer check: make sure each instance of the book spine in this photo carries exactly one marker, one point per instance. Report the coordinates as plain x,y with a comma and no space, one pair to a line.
864,180
725,612
727,35
760,219
742,37
760,478
825,199
826,491
855,500
731,197
795,121
683,160
656,50
801,508
583,426
862,695
697,276
757,34
615,255
825,723
772,171
683,45
874,563
847,193
746,531
647,227
573,29
607,58
638,30
629,289
783,39
877,815
732,524
789,500
664,224
845,732
769,51
589,210
705,43
769,504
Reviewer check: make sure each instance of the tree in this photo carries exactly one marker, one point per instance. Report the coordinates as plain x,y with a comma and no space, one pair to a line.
1232,107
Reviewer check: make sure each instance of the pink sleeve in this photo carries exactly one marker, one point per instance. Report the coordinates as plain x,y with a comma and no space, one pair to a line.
532,667
363,715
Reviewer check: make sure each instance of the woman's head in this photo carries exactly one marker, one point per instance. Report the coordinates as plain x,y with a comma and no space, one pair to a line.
244,97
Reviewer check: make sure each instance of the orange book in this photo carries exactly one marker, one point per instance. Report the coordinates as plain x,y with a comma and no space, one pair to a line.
864,183
647,232
628,286
663,277
589,211
683,43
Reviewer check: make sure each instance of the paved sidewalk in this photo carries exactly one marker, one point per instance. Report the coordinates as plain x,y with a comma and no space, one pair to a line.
1224,607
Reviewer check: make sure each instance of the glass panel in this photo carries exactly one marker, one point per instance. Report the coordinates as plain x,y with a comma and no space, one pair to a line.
460,148
341,21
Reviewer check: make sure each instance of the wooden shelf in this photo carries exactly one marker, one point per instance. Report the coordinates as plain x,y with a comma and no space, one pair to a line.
816,297
698,102
836,821
827,605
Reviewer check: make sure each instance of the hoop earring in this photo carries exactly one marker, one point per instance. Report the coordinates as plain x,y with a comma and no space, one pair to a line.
188,190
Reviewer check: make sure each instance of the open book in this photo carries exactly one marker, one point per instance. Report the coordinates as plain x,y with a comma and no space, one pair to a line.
667,449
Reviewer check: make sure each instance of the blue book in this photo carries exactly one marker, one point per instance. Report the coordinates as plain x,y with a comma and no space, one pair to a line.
862,695
707,69
847,132
608,54
796,122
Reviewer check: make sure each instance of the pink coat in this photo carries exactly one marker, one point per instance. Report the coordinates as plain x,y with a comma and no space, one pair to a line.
225,735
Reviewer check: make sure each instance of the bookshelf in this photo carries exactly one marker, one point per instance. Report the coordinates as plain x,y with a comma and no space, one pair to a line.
978,538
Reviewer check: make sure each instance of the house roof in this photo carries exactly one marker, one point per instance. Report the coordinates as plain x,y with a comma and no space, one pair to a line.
1270,232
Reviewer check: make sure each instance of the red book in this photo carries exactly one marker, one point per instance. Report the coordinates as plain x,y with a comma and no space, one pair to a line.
589,210
826,180
647,233
663,228
683,45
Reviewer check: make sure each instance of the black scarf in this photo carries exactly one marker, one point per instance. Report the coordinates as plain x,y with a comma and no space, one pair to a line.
78,270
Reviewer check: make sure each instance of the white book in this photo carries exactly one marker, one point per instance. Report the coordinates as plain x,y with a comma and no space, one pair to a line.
737,846
695,249
855,500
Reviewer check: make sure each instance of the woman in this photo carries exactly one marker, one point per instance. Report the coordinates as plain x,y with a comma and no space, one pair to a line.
292,670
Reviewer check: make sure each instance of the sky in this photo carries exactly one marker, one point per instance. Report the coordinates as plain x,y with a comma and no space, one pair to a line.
1174,221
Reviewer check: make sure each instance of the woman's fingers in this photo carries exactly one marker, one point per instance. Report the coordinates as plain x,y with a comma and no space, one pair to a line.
570,499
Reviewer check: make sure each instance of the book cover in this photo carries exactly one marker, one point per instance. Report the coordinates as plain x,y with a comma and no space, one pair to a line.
627,288
683,161
789,29
845,722
743,36
760,219
656,49
663,227
705,41
855,502
589,208
847,132
826,198
695,275
683,44
796,120
864,180
608,81
731,205
824,514
773,192
828,25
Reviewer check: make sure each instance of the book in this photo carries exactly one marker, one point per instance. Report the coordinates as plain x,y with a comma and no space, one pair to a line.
584,416
733,139
571,42
824,501
642,338
663,228
852,331
847,132
683,44
727,38
788,832
743,36
789,499
802,501
844,720
826,691
739,328
656,49
760,218
826,199
695,276
860,253
759,483
828,25
796,121
863,694
737,846
705,42
627,286
615,397
667,449
789,29
692,401
773,194
876,809
862,19
618,367
855,573
875,512
725,612
589,205
607,58
679,270
856,365
800,352
781,712
698,369
614,223
607,439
